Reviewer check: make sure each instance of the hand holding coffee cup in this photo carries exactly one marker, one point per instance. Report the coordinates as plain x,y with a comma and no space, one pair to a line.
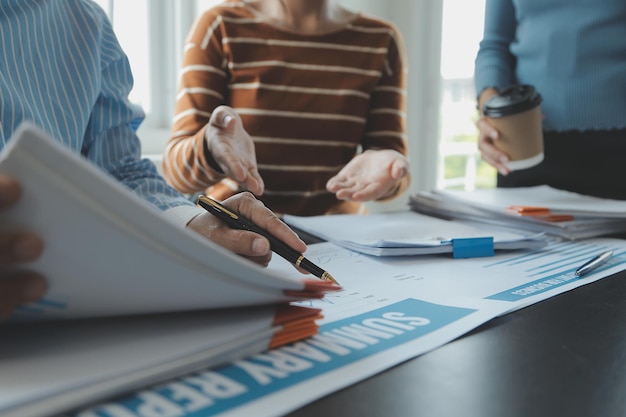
516,113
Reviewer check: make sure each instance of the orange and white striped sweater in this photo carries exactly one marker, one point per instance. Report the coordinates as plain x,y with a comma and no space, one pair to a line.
309,102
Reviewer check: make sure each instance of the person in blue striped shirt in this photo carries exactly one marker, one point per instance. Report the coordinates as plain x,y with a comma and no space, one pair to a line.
62,68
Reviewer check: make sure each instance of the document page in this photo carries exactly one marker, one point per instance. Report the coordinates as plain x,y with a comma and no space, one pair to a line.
523,209
391,310
516,278
557,201
408,233
44,365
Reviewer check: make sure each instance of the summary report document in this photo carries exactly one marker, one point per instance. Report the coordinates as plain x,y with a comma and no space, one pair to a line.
391,309
108,256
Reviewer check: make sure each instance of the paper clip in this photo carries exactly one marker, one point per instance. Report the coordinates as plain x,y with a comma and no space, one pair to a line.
542,213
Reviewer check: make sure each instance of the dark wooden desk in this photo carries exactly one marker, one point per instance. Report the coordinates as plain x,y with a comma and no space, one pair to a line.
565,356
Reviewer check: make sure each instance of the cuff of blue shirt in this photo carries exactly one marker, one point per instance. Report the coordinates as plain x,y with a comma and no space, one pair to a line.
182,215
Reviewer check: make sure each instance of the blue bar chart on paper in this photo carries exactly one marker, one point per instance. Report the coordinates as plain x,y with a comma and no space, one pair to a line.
555,267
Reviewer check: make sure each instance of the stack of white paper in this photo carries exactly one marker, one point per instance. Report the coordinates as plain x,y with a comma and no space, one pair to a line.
407,233
108,253
563,214
49,367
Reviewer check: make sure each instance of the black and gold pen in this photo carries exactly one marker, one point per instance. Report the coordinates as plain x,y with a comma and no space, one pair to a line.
237,221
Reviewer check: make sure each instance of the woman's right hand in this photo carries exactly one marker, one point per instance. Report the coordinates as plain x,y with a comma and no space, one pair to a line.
233,149
17,287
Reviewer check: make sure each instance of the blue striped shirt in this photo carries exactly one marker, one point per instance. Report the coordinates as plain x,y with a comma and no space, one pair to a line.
62,68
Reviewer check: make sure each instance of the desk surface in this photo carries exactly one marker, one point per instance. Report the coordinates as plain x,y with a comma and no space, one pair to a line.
565,356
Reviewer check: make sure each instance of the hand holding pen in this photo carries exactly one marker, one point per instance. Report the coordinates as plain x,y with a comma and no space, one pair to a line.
236,221
243,243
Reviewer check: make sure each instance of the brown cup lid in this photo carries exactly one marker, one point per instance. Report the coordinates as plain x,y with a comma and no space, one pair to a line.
513,100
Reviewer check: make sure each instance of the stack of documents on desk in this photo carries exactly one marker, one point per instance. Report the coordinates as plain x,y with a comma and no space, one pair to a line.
50,367
109,256
542,208
410,233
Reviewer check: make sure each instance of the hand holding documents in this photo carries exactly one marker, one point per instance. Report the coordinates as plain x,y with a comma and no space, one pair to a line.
108,253
539,209
409,233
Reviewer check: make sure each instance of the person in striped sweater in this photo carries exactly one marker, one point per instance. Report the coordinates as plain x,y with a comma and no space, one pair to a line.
319,95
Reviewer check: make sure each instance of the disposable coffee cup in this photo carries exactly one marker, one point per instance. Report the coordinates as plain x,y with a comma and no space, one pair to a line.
516,114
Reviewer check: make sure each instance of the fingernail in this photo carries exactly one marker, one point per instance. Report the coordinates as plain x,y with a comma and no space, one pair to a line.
26,248
260,246
34,290
227,119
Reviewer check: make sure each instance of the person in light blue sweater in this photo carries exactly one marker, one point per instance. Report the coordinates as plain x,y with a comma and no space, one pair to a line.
574,53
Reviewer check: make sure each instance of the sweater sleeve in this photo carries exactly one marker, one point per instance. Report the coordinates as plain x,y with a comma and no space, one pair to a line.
187,164
495,65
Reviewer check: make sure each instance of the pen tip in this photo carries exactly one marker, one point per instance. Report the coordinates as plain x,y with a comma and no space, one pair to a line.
327,277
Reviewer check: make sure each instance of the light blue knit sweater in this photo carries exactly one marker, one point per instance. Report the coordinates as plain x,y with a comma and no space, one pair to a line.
572,51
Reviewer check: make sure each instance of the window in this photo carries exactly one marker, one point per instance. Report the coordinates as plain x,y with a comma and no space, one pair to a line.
459,162
130,20
152,33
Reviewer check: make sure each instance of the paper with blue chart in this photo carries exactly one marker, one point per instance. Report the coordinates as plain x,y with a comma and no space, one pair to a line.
391,310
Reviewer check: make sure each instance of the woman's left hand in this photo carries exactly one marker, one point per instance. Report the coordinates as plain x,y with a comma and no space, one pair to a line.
372,175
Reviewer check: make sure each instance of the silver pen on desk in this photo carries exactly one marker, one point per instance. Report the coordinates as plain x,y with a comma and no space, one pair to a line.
594,263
